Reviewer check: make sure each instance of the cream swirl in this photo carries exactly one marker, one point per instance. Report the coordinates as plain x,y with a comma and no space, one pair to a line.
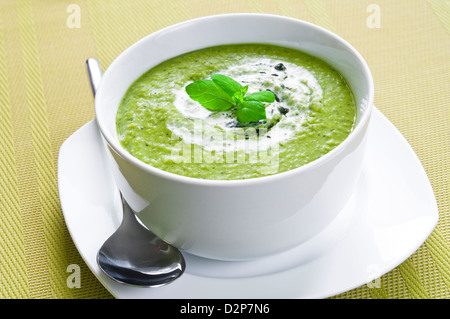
295,88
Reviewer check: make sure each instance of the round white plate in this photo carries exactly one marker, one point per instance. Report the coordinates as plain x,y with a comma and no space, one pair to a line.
389,216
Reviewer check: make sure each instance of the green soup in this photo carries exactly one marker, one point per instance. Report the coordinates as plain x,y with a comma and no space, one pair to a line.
314,112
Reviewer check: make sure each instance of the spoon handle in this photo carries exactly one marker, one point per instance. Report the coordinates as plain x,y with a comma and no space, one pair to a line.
95,73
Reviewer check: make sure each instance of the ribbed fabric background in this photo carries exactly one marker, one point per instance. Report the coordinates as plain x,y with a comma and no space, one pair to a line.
45,97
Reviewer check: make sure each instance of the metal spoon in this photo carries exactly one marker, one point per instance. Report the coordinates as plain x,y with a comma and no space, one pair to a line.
133,255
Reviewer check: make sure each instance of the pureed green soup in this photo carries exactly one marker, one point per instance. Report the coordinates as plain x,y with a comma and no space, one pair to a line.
313,112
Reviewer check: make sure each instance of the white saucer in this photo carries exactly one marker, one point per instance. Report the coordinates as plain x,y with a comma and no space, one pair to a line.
390,215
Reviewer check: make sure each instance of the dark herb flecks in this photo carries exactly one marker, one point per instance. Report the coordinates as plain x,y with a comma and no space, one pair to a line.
280,67
283,110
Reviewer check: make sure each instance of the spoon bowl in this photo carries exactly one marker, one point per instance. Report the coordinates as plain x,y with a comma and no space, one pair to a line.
133,255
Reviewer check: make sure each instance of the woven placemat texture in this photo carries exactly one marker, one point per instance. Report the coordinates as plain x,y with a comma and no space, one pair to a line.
45,97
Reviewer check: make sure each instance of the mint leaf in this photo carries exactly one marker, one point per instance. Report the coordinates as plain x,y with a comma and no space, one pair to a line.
210,95
222,93
251,111
227,84
261,96
244,90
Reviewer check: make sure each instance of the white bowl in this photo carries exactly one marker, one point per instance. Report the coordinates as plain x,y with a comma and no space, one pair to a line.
237,219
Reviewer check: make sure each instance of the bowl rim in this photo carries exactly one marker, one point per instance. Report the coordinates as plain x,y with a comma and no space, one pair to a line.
238,182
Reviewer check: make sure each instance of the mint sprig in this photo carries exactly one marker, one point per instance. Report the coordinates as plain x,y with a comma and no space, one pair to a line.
222,93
